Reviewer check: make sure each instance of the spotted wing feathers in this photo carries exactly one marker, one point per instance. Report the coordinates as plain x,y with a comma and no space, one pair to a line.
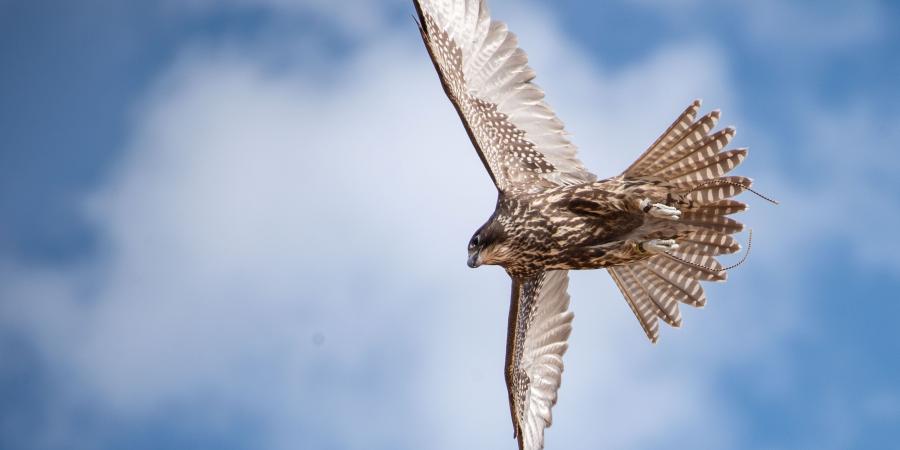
487,78
539,326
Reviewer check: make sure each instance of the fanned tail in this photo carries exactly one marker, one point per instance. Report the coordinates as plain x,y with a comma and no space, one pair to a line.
689,157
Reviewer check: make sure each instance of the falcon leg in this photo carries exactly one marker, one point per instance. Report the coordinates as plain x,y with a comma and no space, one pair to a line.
659,210
655,246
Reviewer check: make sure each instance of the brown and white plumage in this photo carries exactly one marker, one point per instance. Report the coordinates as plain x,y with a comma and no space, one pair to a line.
539,326
656,227
522,145
486,76
687,155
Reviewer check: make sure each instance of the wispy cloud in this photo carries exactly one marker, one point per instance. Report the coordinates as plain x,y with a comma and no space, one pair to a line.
788,27
289,250
353,17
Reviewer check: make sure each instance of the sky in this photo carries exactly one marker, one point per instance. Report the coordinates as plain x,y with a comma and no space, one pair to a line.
241,224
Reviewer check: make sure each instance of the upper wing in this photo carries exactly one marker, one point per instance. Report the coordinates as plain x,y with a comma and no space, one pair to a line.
487,78
539,325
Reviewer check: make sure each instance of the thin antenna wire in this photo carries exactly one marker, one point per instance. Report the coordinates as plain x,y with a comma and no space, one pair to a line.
733,183
709,269
746,254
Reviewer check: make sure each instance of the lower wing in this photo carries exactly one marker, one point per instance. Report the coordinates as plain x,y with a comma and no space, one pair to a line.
539,326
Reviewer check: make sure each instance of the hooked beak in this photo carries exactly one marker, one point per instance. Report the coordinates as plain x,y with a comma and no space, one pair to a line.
474,260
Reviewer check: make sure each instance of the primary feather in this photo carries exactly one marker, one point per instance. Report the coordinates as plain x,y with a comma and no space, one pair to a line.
486,76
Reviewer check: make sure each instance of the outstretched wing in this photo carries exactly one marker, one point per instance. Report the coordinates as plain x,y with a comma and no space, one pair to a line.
689,156
486,76
539,325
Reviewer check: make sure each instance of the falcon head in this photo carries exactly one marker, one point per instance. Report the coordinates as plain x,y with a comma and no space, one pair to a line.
487,244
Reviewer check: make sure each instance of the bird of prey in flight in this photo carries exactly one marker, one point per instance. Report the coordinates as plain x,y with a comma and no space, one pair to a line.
655,228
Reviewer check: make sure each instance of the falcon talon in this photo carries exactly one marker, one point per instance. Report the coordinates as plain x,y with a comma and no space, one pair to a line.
662,211
659,246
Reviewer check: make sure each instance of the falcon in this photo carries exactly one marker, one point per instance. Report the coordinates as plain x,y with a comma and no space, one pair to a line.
655,228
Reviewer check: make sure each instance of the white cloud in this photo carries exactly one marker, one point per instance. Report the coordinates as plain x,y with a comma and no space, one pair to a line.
808,27
785,27
354,17
256,209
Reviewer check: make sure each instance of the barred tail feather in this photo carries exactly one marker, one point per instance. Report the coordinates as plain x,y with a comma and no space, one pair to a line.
716,223
712,166
691,292
715,190
709,243
696,140
665,141
720,208
645,311
691,158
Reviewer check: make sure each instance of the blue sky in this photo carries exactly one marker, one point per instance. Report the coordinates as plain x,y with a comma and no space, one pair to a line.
241,224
